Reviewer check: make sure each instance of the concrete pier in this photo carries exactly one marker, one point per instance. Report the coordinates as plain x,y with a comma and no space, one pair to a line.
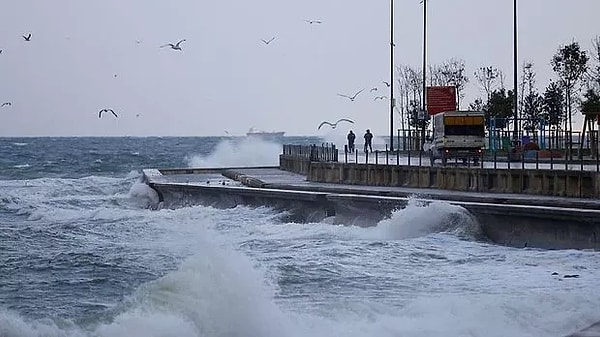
509,219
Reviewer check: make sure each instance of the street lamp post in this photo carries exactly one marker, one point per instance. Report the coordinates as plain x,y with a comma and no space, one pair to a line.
392,101
424,105
515,84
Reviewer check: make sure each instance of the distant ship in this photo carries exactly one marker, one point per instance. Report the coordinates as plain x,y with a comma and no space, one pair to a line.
274,135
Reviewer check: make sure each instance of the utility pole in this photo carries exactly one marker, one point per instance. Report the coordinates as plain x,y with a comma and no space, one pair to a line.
424,72
515,84
392,101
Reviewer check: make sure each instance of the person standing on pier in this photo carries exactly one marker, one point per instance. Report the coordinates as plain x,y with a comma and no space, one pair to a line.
351,137
368,141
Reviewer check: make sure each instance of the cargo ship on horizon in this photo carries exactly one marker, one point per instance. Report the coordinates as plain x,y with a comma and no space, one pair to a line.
268,135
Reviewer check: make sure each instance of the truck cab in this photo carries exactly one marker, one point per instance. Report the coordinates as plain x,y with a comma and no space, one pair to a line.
457,134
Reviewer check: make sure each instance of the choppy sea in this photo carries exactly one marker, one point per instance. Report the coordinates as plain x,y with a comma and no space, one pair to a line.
81,254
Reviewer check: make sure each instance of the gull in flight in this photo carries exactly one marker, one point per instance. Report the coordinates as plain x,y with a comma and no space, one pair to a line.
334,125
380,97
0,51
373,89
176,46
5,104
314,21
107,110
352,98
268,41
387,84
28,37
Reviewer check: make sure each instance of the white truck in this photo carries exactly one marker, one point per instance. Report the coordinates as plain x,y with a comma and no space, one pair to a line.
457,134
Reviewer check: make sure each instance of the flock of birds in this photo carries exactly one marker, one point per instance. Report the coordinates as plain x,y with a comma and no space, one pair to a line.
178,47
353,98
174,46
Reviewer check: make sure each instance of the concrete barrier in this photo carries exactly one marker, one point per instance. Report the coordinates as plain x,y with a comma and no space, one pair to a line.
554,223
577,184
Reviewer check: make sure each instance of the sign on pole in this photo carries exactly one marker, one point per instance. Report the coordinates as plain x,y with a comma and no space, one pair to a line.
441,99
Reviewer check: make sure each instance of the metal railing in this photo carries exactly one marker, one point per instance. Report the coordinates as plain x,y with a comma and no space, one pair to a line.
498,160
325,152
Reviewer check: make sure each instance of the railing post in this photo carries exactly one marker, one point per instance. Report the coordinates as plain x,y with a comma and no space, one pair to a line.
376,157
387,161
481,158
597,162
495,159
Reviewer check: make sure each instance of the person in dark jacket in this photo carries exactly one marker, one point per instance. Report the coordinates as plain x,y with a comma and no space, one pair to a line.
368,141
351,137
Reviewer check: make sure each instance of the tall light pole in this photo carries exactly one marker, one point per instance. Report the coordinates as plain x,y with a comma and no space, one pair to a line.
392,101
515,84
424,71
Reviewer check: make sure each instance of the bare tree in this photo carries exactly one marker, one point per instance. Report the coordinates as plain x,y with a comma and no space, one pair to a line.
490,79
435,75
411,82
531,100
453,73
593,74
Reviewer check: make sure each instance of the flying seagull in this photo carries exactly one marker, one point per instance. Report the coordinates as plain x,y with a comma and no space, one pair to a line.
5,104
107,110
387,84
28,37
352,98
0,51
314,21
176,46
380,97
268,41
373,89
334,125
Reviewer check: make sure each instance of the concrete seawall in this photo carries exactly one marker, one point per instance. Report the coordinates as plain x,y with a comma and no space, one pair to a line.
553,223
561,183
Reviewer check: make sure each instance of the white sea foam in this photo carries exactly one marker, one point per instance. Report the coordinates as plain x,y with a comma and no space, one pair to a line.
216,292
144,194
239,152
473,289
419,219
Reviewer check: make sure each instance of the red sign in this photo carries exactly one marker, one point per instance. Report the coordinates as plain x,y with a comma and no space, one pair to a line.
441,99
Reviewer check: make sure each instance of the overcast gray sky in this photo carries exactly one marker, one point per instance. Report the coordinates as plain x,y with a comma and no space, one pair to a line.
226,79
